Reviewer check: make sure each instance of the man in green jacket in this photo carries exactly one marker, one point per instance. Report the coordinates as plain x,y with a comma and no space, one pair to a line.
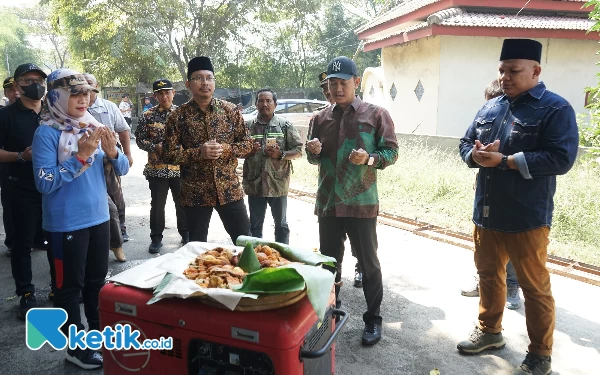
267,169
350,140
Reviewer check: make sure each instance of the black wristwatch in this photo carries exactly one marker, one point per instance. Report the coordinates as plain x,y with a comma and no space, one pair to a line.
503,166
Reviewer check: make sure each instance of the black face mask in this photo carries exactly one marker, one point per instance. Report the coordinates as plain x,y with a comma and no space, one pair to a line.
35,91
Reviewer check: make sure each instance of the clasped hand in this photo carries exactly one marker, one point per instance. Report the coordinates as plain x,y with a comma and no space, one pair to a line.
211,150
488,155
89,142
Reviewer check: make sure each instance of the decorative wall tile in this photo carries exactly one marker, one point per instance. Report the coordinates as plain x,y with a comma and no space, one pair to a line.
419,90
393,91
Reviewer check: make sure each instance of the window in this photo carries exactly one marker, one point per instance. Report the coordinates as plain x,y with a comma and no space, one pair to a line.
297,108
280,108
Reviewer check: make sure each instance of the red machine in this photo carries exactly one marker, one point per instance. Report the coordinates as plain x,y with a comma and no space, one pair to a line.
212,341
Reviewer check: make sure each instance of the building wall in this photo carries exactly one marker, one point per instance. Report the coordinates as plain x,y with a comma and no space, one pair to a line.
468,64
403,66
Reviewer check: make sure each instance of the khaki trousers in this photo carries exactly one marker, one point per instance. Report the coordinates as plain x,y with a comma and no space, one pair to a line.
528,252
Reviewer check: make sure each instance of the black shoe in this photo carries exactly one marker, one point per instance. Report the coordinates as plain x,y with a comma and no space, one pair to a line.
185,238
125,235
87,359
357,276
28,301
40,246
155,247
371,334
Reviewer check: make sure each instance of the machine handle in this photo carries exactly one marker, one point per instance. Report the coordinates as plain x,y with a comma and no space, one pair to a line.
338,327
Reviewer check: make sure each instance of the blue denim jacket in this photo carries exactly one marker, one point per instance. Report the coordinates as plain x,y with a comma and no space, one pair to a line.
540,130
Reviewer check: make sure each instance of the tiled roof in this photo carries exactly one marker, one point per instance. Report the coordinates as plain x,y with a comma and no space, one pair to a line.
521,21
460,18
399,11
410,6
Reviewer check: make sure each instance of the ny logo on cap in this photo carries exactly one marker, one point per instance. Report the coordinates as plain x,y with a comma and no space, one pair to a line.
161,84
337,66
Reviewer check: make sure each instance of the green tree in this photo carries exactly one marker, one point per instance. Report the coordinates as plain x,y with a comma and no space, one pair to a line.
590,132
15,49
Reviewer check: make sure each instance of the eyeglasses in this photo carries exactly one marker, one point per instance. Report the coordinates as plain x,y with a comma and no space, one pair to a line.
202,79
29,81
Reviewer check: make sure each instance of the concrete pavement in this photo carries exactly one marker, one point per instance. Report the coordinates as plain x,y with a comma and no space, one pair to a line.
424,313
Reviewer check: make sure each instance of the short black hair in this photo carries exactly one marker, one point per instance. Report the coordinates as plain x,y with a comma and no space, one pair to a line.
266,90
125,96
493,90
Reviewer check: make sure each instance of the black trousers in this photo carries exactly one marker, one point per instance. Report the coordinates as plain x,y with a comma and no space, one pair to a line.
26,211
81,259
113,188
258,209
363,239
159,189
233,215
5,199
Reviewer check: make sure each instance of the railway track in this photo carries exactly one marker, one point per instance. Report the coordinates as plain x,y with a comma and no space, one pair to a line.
572,269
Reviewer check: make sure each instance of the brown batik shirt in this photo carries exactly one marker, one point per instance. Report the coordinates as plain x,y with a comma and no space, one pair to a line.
346,189
207,182
151,132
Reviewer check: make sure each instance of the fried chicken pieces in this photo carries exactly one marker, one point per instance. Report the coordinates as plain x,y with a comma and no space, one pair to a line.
217,268
269,257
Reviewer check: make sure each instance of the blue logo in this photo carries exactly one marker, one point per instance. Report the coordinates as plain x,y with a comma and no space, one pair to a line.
43,326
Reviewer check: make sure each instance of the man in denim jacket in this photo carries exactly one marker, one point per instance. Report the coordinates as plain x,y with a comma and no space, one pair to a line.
520,142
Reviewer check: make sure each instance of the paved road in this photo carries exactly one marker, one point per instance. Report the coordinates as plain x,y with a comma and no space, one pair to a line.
424,314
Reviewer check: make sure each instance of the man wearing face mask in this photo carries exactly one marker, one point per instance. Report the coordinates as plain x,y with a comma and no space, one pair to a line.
18,123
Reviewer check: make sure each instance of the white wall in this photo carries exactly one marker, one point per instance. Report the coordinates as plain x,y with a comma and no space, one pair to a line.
404,65
468,64
370,81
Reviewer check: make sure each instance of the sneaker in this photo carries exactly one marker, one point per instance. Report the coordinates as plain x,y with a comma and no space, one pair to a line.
358,276
513,298
472,290
119,254
28,301
371,334
87,359
480,341
534,364
155,247
125,235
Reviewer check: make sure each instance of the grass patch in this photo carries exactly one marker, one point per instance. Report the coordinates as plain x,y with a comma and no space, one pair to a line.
430,185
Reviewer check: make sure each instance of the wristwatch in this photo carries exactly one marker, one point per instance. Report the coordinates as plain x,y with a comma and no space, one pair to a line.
371,160
282,157
503,163
20,157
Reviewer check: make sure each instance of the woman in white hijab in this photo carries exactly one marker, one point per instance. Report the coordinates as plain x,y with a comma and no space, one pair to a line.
67,149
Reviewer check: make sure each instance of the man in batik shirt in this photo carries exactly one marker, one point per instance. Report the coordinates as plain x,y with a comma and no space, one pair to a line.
205,136
350,140
161,176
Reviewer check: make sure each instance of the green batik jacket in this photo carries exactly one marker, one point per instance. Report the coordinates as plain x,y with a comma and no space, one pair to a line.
263,175
346,189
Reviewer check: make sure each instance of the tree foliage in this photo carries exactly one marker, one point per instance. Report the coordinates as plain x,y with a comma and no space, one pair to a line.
590,132
275,43
15,49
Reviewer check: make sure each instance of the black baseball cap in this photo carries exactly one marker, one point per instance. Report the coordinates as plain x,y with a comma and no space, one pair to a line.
8,82
162,84
26,68
341,67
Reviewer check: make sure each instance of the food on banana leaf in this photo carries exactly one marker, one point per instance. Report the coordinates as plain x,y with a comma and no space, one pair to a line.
215,269
269,257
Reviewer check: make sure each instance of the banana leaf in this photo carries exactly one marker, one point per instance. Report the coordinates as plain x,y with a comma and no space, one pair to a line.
248,260
292,253
291,278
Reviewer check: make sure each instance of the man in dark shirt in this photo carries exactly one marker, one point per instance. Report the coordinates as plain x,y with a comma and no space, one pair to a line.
520,142
161,176
18,123
205,136
349,142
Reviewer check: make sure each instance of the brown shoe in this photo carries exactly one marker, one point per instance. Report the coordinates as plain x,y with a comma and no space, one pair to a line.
119,254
